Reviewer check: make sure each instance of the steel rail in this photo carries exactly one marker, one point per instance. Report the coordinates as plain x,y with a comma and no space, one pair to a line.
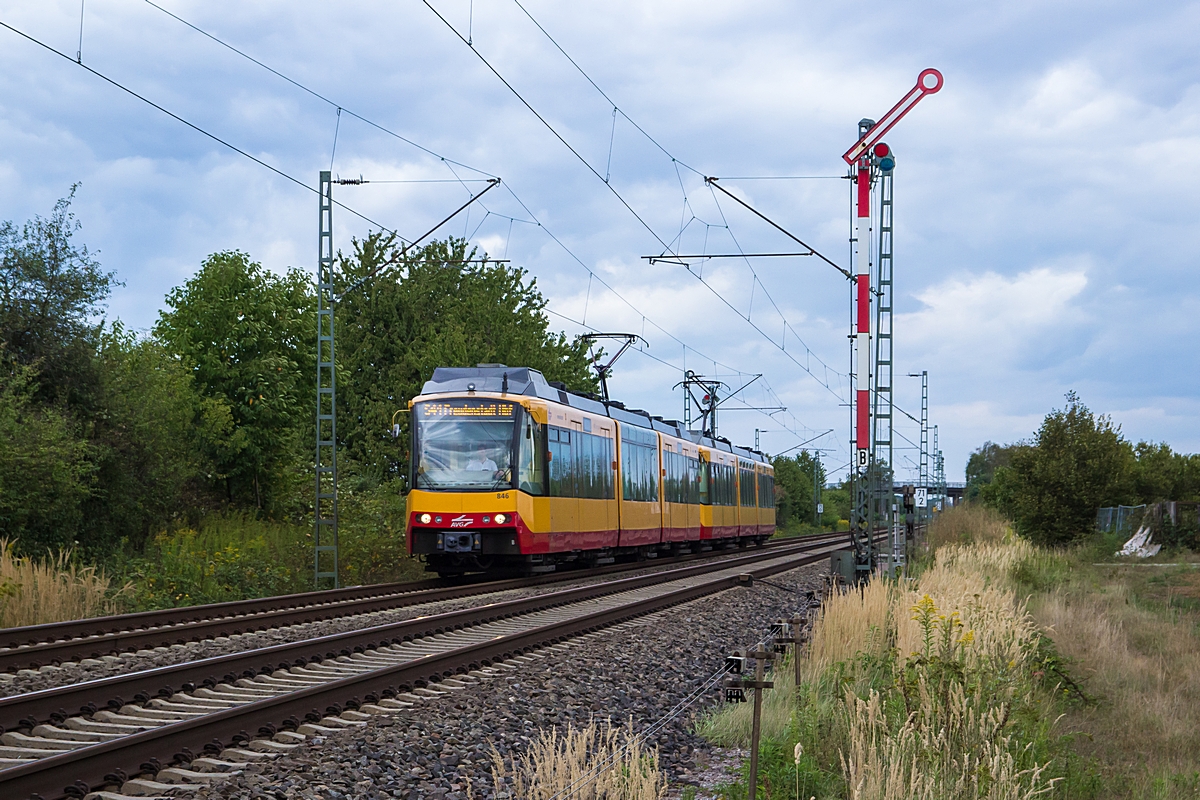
32,708
102,636
107,762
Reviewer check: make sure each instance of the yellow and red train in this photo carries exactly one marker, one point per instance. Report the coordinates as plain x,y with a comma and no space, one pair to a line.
512,473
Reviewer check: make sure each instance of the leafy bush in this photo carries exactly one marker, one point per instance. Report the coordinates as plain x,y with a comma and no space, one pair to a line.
371,536
230,557
1077,463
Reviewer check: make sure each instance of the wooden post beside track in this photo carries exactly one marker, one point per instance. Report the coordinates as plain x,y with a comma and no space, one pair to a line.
761,657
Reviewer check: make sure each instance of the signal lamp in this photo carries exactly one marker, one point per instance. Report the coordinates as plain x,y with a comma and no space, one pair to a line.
426,519
882,150
887,163
500,519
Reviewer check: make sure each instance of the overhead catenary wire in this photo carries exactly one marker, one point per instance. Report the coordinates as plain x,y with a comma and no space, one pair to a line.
677,162
450,164
224,143
281,173
313,92
602,178
682,370
547,124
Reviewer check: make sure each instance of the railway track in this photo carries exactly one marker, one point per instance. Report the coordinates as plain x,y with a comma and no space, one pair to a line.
247,706
56,643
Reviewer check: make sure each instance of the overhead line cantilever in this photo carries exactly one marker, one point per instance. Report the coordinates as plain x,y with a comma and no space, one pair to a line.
813,251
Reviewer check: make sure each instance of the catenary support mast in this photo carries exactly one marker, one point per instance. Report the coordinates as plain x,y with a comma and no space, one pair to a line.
883,468
325,506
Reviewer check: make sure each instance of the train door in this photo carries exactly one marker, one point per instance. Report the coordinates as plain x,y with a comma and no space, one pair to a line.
707,509
674,492
691,498
747,499
563,441
639,487
604,454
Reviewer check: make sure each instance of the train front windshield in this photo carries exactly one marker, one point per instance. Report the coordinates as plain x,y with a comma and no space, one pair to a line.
464,445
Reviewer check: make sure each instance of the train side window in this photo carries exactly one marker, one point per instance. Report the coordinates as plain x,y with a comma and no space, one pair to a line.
531,470
562,463
639,465
705,495
692,479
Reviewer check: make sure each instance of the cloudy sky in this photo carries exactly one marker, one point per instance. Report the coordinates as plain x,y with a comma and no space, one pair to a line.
1045,199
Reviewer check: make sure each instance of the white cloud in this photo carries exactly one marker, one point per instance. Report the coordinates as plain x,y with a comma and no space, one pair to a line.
1056,164
996,320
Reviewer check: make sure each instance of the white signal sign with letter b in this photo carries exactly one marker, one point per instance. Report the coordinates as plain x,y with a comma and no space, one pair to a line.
922,497
864,457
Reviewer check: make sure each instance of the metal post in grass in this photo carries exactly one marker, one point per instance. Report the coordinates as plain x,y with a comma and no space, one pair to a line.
761,657
797,640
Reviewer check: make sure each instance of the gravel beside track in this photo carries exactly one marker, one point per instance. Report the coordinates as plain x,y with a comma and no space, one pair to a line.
638,670
70,673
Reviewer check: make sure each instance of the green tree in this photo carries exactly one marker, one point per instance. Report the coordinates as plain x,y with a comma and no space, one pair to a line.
795,502
445,306
1161,474
246,336
982,465
1077,463
143,443
51,295
45,469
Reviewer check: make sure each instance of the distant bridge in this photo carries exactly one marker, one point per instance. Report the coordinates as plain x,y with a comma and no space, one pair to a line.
954,489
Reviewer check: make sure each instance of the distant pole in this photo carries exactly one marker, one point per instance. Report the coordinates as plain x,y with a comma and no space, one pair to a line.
325,505
817,490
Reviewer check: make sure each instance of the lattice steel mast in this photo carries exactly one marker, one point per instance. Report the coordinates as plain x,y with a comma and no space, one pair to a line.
325,506
882,465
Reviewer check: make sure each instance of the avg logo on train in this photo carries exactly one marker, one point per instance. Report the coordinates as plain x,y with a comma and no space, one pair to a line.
549,479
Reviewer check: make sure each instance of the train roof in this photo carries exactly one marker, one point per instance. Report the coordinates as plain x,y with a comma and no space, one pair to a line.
530,382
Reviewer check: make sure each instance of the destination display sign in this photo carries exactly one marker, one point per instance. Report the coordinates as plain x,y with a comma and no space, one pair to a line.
481,409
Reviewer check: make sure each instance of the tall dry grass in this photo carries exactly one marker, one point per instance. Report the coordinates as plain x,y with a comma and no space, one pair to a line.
913,687
965,650
968,523
1141,662
969,757
592,763
33,592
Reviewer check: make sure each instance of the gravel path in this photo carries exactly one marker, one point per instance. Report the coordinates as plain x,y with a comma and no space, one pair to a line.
440,748
70,673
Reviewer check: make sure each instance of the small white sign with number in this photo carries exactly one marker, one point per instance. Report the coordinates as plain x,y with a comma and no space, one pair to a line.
820,508
922,497
863,458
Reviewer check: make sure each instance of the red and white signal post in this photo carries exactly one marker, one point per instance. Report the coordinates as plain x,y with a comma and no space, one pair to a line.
865,156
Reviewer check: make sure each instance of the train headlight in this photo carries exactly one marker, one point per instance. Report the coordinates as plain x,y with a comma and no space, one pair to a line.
486,519
426,519
500,519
